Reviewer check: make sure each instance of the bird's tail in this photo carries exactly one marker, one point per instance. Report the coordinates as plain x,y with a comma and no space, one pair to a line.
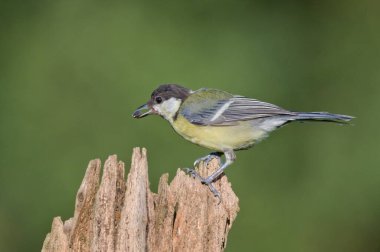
323,116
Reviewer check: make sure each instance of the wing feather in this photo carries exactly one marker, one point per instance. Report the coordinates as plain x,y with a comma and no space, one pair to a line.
240,109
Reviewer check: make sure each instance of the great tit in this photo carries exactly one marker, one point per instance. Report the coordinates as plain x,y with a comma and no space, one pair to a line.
222,121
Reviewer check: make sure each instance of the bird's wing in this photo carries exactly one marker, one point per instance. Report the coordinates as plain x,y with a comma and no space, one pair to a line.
229,111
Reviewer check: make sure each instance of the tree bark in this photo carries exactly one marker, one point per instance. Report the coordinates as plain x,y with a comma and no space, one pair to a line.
114,215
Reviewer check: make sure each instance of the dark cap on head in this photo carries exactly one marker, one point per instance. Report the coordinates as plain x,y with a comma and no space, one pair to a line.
167,91
162,93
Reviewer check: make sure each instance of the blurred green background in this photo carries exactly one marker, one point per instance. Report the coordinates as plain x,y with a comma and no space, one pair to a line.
72,73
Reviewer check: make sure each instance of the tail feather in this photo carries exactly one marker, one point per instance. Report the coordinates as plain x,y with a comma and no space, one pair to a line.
323,116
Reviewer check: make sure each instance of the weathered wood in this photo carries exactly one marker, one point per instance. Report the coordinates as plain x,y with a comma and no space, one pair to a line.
56,240
114,215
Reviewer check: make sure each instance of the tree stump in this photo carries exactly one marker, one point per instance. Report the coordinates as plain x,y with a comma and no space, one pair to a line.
114,215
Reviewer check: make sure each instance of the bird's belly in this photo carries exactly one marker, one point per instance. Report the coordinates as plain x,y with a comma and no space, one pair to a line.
220,138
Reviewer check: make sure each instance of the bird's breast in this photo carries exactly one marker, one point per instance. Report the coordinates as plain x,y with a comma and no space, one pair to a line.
220,138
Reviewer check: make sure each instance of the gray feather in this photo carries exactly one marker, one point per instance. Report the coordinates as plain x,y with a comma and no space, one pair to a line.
240,109
323,116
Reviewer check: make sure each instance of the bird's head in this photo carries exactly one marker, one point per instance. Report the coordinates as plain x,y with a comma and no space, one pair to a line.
164,101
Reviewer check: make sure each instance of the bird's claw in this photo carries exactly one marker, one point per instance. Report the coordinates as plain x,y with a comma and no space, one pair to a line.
193,173
207,159
214,191
205,181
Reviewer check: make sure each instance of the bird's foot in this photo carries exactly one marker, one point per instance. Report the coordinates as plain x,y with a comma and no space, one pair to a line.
205,181
193,173
214,191
207,159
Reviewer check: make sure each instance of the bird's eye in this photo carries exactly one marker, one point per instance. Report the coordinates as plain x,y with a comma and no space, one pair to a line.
158,99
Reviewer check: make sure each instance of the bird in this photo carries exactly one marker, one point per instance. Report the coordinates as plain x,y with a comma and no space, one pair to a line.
221,121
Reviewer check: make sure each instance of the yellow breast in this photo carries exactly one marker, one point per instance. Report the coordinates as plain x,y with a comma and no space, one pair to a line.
219,138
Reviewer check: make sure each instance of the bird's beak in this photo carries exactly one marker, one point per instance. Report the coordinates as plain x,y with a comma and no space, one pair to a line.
142,111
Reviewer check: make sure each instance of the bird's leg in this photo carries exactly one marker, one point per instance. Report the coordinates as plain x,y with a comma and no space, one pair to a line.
230,157
208,158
